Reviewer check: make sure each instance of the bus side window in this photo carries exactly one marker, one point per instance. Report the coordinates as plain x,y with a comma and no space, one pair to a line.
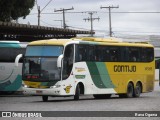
149,55
9,54
144,55
106,54
81,53
134,54
114,54
91,53
99,57
124,54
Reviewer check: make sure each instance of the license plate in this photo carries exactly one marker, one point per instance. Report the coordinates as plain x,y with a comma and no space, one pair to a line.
38,91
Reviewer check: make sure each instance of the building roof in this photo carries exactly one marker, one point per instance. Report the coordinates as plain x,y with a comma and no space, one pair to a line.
24,32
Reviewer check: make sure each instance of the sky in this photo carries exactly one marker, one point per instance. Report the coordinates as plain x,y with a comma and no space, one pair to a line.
137,17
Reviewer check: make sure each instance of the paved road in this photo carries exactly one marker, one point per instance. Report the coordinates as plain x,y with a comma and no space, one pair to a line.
147,102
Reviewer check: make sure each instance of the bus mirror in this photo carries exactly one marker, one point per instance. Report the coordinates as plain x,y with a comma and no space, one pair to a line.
17,59
59,61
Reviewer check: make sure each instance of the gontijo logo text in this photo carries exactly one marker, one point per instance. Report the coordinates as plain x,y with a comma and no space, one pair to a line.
124,68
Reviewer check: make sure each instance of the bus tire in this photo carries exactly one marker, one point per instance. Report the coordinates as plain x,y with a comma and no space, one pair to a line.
45,98
77,93
137,90
130,90
129,93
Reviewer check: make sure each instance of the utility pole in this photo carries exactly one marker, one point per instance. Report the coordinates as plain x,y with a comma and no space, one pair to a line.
40,11
63,11
110,25
91,19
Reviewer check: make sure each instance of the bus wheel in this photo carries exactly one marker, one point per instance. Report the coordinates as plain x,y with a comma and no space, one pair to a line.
137,90
45,98
130,90
77,93
129,93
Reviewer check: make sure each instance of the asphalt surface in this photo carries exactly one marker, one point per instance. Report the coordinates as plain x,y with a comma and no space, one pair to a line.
146,102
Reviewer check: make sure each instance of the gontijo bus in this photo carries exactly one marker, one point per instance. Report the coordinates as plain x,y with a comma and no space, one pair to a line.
70,67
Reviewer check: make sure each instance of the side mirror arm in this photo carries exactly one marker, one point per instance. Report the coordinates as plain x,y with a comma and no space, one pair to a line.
17,59
59,61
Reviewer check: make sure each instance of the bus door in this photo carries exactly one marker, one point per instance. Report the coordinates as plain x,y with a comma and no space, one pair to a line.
67,72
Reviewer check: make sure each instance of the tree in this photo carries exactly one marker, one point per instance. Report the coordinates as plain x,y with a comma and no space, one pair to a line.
13,9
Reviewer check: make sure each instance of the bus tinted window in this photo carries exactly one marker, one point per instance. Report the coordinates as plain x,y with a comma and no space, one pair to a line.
101,53
114,54
149,54
91,53
134,54
81,53
9,54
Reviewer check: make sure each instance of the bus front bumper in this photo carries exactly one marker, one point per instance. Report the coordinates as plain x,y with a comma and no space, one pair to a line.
41,92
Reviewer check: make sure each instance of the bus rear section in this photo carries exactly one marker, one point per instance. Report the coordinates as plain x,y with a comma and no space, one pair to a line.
10,76
126,69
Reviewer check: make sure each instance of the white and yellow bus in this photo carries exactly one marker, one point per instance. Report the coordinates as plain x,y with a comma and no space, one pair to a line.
102,67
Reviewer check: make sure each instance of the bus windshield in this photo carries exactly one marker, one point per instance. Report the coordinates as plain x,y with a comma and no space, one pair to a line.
40,63
49,51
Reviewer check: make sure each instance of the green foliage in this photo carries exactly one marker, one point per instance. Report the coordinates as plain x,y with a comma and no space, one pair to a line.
13,9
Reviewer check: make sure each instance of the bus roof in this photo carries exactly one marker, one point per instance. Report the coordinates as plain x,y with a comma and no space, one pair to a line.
15,44
90,40
110,39
50,42
9,42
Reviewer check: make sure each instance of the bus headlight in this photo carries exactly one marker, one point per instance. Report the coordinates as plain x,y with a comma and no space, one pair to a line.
26,86
55,86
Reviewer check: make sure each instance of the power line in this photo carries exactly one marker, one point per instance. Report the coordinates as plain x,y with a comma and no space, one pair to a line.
118,12
63,11
40,11
130,12
46,5
47,23
135,32
91,19
110,27
78,28
139,12
59,21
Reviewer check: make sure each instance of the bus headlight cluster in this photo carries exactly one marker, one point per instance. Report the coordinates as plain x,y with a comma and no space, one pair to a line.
55,86
26,86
